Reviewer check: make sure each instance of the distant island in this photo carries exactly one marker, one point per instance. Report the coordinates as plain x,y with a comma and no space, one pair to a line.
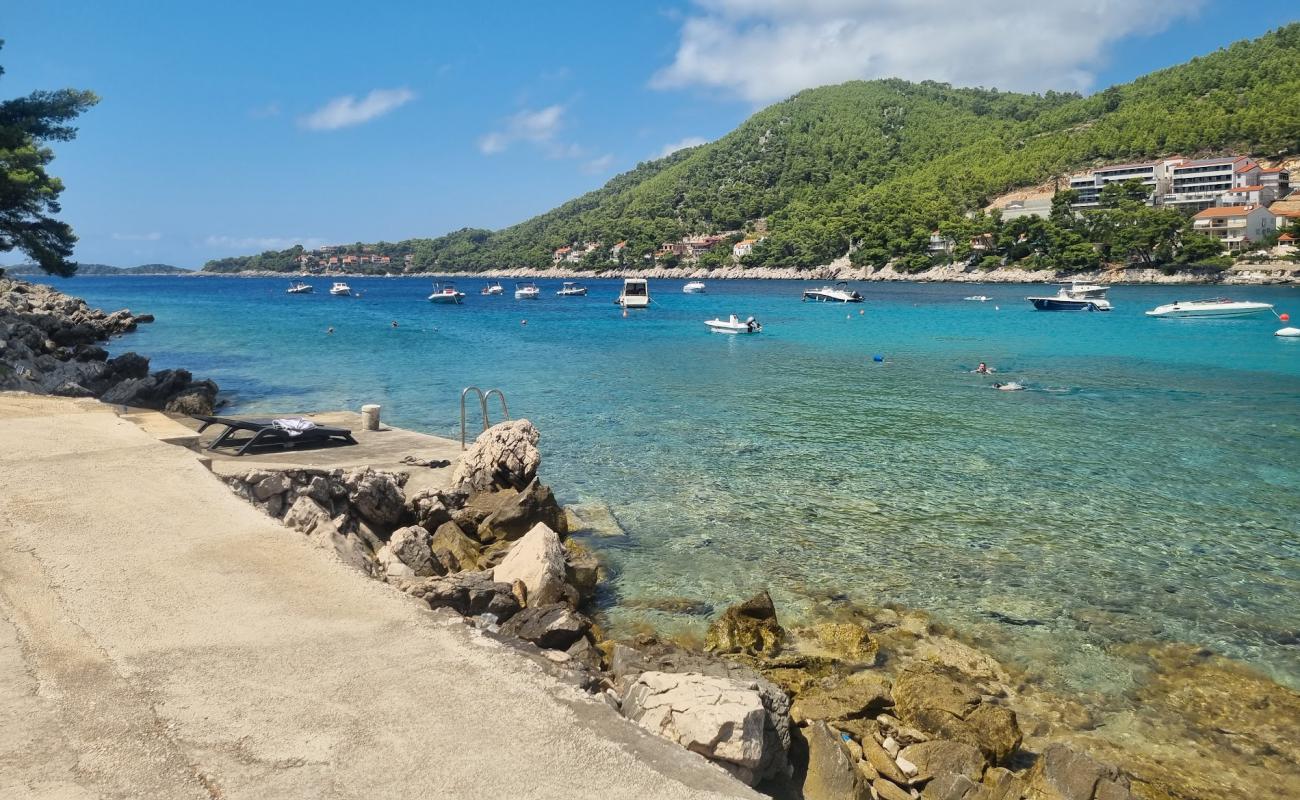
924,178
102,269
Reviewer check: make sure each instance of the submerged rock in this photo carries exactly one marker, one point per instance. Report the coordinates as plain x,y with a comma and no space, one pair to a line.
749,628
503,456
1062,773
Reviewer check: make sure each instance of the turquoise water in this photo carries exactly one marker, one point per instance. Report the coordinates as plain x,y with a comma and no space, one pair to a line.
1144,486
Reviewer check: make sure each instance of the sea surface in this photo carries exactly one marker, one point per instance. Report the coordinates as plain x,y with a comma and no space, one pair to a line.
1146,485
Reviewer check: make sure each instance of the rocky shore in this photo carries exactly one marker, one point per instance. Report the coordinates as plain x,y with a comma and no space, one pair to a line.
50,344
864,702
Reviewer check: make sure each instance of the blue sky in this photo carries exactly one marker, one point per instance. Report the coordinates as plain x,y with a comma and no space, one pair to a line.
235,127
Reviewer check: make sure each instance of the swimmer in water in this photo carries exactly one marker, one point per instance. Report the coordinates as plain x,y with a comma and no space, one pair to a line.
394,323
329,331
1010,386
982,369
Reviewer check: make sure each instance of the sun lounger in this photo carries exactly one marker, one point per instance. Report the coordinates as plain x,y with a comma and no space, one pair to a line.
267,434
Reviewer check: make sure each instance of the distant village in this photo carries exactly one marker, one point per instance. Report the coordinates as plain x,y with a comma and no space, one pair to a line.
690,248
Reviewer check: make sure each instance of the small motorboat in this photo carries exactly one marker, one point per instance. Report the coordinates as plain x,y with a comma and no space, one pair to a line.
839,293
298,287
635,294
340,289
1074,296
979,298
446,294
570,289
734,324
694,287
527,290
1214,307
492,289
1289,332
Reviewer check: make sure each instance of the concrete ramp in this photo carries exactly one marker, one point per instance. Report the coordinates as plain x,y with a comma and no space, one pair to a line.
160,638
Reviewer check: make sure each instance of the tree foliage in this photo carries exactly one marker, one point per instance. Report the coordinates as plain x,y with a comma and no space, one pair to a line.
29,195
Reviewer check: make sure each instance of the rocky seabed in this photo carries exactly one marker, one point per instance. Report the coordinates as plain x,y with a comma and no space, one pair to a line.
50,344
868,703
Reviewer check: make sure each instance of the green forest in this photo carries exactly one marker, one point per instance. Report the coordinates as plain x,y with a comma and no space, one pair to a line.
871,168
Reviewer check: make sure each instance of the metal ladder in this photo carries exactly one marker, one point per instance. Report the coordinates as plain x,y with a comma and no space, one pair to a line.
483,407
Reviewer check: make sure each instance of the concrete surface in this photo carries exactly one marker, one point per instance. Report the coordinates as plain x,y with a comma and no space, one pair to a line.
160,638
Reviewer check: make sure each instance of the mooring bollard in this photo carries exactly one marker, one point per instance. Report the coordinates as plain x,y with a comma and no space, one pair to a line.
370,417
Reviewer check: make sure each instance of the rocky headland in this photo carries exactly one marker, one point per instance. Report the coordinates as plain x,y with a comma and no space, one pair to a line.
50,343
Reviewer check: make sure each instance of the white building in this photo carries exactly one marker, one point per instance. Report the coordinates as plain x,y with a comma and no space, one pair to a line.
1155,175
1200,183
1235,226
743,248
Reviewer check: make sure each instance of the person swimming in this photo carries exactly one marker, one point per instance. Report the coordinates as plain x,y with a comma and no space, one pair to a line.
1009,386
394,323
982,369
329,331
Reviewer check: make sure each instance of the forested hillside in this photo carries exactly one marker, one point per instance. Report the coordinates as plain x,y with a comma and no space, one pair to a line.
873,167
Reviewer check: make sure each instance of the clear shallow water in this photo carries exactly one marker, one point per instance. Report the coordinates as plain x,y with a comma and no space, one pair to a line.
1148,483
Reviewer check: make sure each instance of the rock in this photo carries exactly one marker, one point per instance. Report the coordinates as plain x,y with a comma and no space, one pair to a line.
71,389
538,560
750,628
275,483
517,515
953,787
844,640
996,730
200,397
947,652
392,566
1001,784
554,626
504,455
881,761
832,774
411,546
582,569
376,496
941,757
586,653
686,606
863,694
1062,773
453,549
310,518
719,718
128,365
467,593
887,790
431,509
921,686
593,518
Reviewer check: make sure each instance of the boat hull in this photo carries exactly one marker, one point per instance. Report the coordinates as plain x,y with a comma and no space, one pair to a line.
726,327
445,300
1208,313
1059,304
633,302
825,298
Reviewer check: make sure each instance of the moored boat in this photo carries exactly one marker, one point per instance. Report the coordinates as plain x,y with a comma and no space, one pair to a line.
979,298
839,293
635,294
492,289
734,324
446,294
527,290
1213,307
340,289
694,287
570,289
299,287
1074,296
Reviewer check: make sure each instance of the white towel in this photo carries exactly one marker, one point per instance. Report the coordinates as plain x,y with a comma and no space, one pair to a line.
294,426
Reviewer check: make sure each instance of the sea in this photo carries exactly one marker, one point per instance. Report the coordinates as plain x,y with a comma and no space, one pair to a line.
1145,485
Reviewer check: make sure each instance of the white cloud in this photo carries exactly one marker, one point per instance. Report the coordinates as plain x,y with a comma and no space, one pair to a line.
763,50
152,236
537,127
689,141
260,243
598,164
342,112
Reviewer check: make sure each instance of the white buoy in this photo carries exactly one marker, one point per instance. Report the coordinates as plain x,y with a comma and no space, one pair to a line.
1290,333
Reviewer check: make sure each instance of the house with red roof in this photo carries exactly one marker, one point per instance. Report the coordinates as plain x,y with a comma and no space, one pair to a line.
1235,226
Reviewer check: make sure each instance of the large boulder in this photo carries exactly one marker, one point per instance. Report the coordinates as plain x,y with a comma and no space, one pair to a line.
453,550
749,628
832,772
311,518
720,718
582,569
518,513
469,594
504,455
846,641
553,627
430,508
538,560
411,546
200,397
936,701
376,496
862,694
940,757
1062,773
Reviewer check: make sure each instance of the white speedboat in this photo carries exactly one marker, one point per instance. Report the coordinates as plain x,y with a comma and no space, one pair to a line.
734,324
1215,307
839,293
446,294
1288,332
1074,296
340,289
527,290
572,290
979,298
635,294
298,287
694,287
492,289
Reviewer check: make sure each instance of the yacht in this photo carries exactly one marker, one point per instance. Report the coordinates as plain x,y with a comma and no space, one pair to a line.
839,293
527,290
298,287
570,289
734,324
1074,296
492,289
1215,307
635,294
340,289
694,287
446,294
